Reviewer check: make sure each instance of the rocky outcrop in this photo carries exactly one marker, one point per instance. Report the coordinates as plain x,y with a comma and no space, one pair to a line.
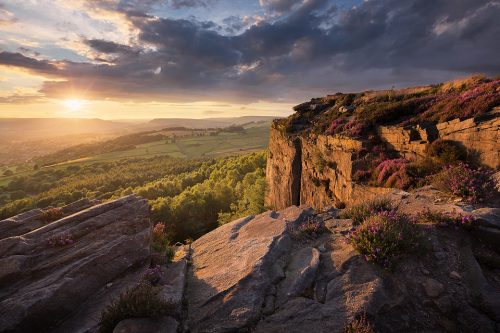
58,277
283,170
410,142
255,275
319,169
234,269
479,136
34,219
260,273
328,166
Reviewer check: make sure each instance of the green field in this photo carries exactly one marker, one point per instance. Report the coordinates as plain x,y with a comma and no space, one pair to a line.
223,144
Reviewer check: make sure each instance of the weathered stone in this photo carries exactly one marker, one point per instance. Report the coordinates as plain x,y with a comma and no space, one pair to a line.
147,325
318,170
339,225
231,270
173,288
45,284
488,217
444,304
481,138
487,235
432,287
283,171
479,292
300,273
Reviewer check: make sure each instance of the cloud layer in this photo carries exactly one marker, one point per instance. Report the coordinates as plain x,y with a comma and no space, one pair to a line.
297,49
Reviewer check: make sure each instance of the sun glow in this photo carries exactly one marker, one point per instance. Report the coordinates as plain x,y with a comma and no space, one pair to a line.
74,104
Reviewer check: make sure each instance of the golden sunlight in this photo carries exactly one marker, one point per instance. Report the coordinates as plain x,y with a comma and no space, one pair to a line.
74,104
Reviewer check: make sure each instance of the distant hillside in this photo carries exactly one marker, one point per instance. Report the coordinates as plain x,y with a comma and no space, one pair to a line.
174,141
22,139
43,128
208,122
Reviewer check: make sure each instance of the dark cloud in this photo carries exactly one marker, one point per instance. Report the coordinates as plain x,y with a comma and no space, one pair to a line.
314,49
279,5
108,47
19,60
233,24
177,4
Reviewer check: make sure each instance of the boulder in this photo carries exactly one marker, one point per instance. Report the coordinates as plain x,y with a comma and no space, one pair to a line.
232,270
66,271
147,325
488,217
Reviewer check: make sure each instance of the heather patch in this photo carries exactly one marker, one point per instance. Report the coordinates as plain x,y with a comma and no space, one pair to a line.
444,219
153,275
358,213
163,252
472,185
61,240
141,301
393,173
385,237
309,229
356,115
51,214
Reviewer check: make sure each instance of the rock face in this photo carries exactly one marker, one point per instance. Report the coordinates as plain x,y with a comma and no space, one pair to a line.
234,268
284,170
58,277
33,219
320,169
482,137
252,275
328,166
256,274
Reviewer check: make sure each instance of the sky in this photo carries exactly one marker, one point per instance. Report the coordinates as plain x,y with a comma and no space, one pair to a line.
118,59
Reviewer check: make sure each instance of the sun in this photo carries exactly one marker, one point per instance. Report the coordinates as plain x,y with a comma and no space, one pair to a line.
74,104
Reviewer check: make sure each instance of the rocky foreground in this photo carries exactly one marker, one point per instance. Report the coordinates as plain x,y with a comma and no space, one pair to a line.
256,274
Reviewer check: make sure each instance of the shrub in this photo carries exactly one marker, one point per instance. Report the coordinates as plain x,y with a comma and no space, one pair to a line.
361,175
358,213
444,219
447,151
141,301
385,237
420,169
359,325
393,173
472,185
153,275
311,228
318,161
162,251
60,241
51,214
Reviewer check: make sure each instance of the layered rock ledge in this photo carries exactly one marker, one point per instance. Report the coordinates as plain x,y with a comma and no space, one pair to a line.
59,276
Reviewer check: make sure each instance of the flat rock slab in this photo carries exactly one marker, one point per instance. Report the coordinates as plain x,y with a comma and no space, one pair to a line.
488,217
175,279
232,270
147,325
300,273
44,281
